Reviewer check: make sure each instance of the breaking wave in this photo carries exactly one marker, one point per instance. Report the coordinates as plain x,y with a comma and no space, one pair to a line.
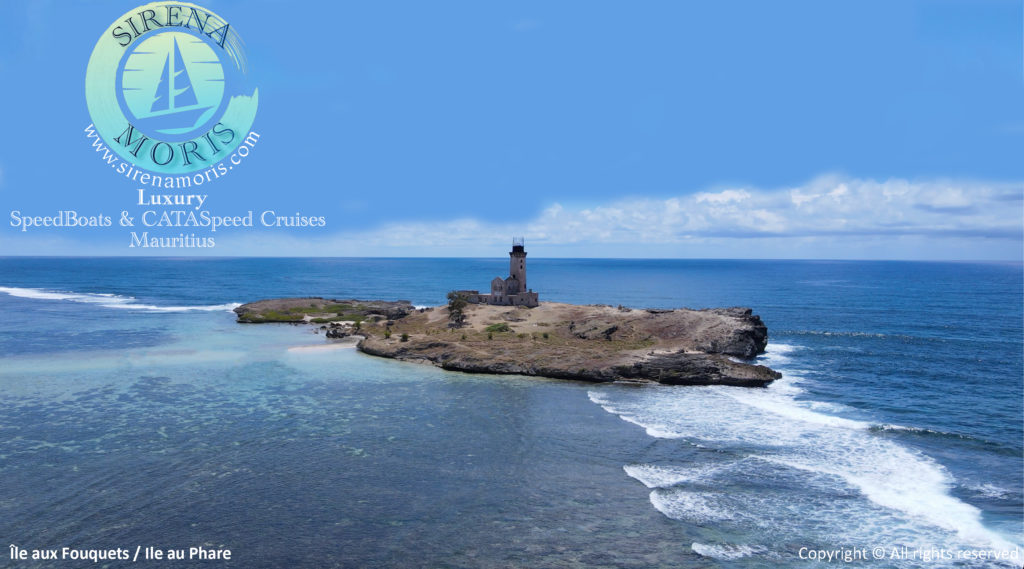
725,552
109,300
785,466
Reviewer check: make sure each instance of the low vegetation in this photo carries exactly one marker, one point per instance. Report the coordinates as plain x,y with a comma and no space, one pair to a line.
321,311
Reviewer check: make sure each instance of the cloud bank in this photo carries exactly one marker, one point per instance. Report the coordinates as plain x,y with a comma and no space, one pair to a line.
853,218
831,217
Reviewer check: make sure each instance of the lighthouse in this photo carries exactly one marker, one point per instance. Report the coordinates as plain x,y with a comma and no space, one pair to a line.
517,267
510,291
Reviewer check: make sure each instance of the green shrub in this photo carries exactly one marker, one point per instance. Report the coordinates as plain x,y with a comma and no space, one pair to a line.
405,337
456,309
545,334
275,315
499,327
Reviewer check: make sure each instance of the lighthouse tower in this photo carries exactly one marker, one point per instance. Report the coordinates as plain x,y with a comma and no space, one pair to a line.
517,267
509,291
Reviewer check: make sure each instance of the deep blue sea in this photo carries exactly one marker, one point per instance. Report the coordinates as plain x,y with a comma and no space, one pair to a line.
135,412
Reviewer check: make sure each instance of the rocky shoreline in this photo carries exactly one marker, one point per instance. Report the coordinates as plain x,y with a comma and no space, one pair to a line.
595,343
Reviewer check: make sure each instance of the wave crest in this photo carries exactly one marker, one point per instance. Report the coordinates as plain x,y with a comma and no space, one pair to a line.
725,552
108,300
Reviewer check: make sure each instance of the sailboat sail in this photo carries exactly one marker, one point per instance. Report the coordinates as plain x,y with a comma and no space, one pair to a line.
174,106
161,100
185,96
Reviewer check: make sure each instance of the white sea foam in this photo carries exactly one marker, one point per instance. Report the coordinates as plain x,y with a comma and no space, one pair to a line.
823,510
989,490
654,476
777,354
842,334
654,429
917,430
109,300
787,407
697,507
779,357
726,552
904,495
777,348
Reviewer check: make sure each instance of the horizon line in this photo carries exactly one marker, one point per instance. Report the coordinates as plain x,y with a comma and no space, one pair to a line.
227,257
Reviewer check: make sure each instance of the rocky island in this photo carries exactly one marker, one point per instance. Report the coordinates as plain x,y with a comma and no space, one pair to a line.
596,343
509,331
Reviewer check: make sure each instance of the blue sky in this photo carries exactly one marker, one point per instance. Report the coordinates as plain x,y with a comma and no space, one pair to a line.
666,129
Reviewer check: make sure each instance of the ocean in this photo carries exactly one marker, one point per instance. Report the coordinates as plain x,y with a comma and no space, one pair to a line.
135,413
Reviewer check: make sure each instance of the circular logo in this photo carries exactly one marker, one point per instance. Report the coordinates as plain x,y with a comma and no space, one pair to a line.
168,89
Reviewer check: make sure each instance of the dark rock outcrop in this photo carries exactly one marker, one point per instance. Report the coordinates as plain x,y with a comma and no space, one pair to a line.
591,343
745,341
699,369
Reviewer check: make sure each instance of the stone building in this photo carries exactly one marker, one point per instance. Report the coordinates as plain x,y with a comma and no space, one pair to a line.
510,291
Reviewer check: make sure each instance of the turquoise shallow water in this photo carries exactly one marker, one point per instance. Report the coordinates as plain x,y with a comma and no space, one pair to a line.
134,411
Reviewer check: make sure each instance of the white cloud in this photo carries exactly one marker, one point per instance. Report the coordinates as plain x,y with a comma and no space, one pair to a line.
828,214
722,197
828,217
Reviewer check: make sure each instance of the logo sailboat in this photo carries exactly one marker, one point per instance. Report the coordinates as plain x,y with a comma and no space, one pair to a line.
174,103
